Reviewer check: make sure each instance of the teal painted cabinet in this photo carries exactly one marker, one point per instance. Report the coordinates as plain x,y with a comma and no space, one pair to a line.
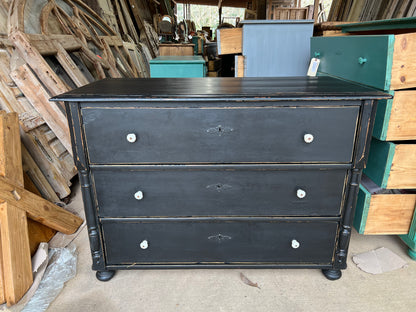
385,62
177,67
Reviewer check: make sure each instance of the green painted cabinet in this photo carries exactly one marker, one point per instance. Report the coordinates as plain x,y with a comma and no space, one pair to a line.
382,61
177,67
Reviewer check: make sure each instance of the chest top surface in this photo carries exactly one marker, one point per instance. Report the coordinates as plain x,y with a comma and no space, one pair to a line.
259,89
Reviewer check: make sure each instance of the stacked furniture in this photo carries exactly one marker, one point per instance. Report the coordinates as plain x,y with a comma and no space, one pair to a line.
177,66
268,48
386,203
222,173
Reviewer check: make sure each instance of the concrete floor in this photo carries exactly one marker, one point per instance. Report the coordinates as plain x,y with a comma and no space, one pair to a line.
222,290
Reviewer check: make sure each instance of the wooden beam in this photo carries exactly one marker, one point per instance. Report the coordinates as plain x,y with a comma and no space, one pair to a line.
315,10
17,264
10,155
39,209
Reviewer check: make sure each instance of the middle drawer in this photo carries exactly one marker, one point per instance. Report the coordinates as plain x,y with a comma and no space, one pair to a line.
239,190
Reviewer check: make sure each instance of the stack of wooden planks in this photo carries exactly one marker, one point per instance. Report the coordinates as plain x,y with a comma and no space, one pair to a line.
367,10
16,206
50,47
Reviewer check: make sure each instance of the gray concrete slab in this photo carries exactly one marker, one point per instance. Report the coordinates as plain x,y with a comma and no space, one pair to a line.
222,290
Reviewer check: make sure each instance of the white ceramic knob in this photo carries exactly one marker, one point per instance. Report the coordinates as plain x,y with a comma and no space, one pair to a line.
300,193
138,195
308,138
144,244
295,244
131,137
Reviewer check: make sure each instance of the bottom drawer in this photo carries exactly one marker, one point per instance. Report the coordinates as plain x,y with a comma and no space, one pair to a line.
199,241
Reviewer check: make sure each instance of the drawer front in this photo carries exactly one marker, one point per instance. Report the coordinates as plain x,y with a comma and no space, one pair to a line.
177,70
364,59
194,135
196,241
210,191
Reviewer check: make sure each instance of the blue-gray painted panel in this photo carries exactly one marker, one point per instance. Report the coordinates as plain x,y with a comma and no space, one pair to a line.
276,50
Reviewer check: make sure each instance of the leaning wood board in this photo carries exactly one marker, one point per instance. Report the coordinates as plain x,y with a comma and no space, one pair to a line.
392,166
396,118
382,61
383,213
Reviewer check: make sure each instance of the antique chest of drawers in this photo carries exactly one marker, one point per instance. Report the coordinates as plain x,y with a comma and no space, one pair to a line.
220,172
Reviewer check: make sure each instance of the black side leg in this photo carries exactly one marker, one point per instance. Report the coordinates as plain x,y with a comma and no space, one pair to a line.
332,274
105,276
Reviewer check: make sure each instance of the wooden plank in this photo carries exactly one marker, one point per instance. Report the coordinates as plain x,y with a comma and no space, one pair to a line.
38,232
214,65
38,64
403,71
214,74
39,98
10,154
380,212
39,209
390,214
32,171
229,41
176,49
70,67
402,121
48,163
239,66
17,264
2,290
403,168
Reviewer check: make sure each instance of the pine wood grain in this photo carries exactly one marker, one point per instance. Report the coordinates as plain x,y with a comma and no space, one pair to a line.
38,232
38,208
176,49
39,98
402,122
17,263
10,155
404,66
230,40
239,67
390,213
403,168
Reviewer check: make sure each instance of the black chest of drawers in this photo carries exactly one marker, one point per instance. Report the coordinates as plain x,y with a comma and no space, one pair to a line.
220,172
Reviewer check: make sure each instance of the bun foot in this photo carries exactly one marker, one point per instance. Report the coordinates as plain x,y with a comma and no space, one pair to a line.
105,276
332,275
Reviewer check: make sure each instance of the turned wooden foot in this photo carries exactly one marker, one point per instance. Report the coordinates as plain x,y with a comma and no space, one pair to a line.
332,275
105,276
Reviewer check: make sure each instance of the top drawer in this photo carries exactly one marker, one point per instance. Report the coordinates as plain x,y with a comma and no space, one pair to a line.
220,135
381,61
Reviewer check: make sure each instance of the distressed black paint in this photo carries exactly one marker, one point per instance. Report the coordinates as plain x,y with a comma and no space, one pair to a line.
219,162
